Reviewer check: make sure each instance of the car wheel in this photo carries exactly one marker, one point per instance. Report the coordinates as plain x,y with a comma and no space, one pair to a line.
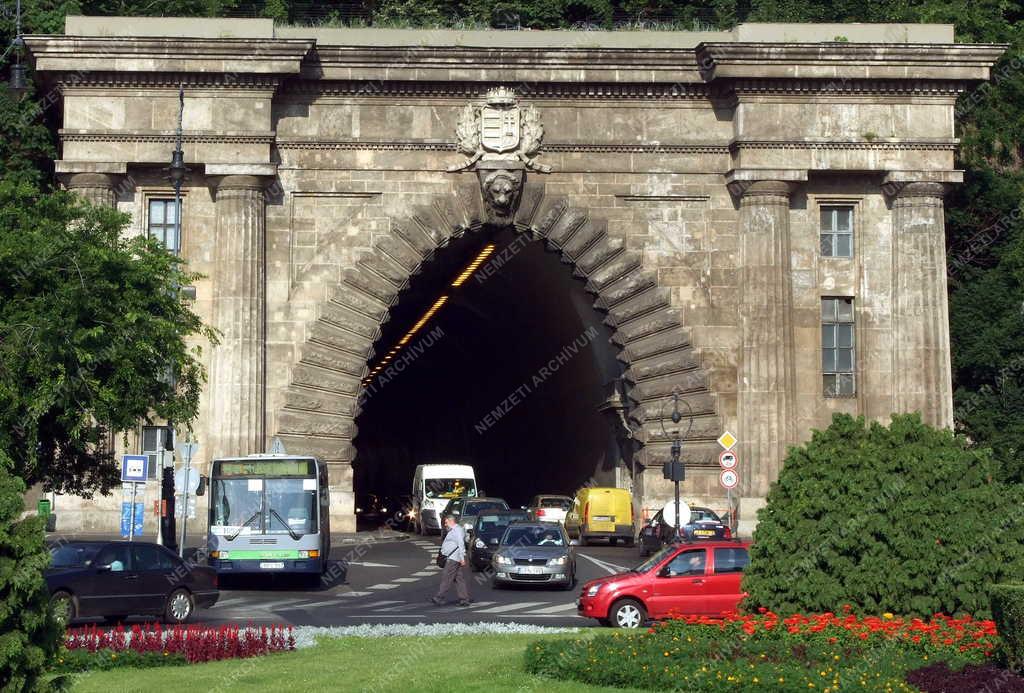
63,605
627,613
179,606
613,541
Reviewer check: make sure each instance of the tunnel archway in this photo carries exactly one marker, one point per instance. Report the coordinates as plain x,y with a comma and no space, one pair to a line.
328,384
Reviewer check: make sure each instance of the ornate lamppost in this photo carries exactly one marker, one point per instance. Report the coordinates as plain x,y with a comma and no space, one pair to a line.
18,82
676,470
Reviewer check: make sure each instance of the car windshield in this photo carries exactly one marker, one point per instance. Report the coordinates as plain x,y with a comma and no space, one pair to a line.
532,536
487,523
473,509
72,556
449,488
703,515
560,503
654,560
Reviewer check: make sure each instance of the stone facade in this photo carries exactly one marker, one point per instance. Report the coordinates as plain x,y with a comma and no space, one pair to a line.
685,186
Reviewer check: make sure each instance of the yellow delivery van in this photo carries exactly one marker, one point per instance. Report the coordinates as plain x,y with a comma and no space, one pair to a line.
601,513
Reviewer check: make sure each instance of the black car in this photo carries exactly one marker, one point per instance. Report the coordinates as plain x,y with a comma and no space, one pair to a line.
117,579
487,532
703,524
466,509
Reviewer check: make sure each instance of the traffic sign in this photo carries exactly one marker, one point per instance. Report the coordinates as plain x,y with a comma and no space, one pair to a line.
187,449
277,447
729,478
180,480
134,468
727,440
728,459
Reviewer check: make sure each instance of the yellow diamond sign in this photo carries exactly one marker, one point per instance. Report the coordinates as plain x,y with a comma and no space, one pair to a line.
727,440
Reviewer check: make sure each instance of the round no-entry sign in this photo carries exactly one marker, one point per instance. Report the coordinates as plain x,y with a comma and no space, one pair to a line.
727,459
729,478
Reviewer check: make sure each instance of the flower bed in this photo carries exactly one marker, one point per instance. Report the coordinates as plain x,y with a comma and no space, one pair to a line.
147,645
822,652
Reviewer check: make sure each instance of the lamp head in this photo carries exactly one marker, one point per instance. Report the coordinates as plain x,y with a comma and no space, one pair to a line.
177,170
18,83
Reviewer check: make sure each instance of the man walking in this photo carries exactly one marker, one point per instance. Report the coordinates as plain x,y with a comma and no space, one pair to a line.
453,548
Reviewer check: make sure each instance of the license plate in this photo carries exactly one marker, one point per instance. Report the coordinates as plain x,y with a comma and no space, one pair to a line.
602,518
704,532
275,565
530,570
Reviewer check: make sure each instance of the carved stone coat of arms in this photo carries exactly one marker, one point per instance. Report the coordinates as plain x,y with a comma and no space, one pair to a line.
501,140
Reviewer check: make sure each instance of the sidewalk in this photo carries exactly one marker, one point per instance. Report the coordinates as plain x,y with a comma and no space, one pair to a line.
197,541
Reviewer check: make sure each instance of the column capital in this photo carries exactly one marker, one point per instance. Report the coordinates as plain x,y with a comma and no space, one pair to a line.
771,182
100,189
242,182
75,181
901,190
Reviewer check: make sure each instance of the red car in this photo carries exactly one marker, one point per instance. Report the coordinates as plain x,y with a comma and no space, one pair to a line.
682,579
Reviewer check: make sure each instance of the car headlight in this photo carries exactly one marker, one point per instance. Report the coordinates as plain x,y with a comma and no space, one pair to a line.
221,554
359,510
467,525
593,590
479,543
557,561
383,510
502,560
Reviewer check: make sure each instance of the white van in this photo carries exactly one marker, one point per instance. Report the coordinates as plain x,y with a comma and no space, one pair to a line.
433,486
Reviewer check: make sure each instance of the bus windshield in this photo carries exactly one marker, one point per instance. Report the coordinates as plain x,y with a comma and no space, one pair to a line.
450,488
264,506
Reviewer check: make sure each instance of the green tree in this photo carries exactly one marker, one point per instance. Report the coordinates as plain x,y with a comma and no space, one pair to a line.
905,518
29,634
90,325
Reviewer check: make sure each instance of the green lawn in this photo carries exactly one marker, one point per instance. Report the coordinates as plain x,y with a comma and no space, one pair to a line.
408,665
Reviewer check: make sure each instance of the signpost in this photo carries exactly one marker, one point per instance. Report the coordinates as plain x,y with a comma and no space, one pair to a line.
186,450
729,478
134,471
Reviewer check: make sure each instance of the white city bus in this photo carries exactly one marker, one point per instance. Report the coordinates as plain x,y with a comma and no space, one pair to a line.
269,514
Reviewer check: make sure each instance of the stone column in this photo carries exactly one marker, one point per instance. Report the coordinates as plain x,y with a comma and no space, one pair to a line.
765,387
237,404
99,189
921,360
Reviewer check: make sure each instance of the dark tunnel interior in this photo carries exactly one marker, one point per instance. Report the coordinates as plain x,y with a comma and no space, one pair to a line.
508,374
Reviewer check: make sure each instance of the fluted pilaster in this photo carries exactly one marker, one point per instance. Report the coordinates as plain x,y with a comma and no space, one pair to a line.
239,360
923,379
765,385
99,189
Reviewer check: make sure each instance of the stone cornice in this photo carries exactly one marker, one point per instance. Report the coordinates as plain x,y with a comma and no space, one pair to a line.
874,61
167,80
934,145
150,54
476,90
865,87
551,147
167,137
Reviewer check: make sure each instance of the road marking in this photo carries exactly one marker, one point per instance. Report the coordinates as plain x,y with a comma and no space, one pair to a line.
367,564
389,616
354,594
225,602
432,568
610,567
510,607
479,604
400,607
381,603
423,573
383,586
554,609
405,579
329,602
274,605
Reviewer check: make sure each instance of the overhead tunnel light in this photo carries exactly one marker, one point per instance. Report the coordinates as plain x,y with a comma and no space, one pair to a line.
472,267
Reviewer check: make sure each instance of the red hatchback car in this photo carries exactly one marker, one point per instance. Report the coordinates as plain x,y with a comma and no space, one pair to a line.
682,579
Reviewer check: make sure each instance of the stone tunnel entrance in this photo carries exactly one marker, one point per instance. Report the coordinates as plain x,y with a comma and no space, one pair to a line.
510,372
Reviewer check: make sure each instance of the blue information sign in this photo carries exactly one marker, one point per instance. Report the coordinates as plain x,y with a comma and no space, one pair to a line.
134,468
126,515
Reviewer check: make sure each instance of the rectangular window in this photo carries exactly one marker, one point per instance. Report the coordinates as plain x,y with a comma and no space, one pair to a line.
837,231
837,347
161,223
154,438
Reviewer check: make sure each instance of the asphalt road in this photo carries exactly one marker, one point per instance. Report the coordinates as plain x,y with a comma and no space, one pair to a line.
390,581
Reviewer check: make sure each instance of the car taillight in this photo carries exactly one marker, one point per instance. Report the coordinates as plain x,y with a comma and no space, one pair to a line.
215,584
540,512
728,533
586,511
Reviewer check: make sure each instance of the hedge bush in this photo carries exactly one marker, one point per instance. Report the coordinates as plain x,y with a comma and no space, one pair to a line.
29,634
1008,613
75,661
905,519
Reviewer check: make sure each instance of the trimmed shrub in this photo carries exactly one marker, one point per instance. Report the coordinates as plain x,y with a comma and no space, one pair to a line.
1008,613
29,634
904,519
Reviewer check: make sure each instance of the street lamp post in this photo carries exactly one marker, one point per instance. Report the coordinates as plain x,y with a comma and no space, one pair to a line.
675,470
18,83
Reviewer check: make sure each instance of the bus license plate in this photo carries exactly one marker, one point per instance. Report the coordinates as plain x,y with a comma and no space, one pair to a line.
602,518
276,565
